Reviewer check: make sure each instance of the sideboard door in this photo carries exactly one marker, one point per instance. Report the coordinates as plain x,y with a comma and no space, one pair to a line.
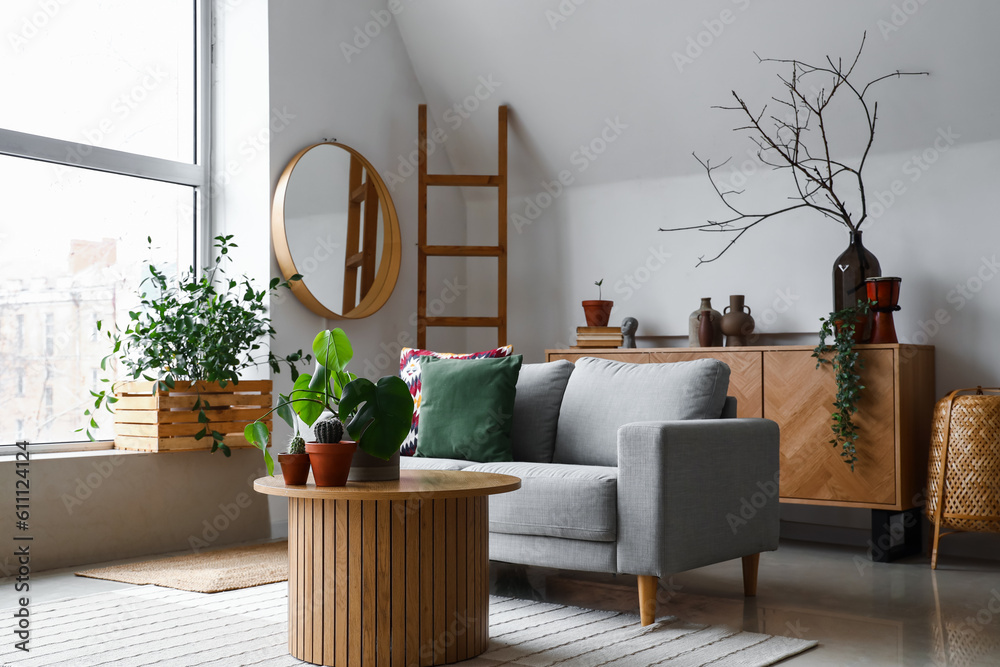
800,397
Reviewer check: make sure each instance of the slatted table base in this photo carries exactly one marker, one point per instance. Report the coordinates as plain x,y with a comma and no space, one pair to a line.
383,583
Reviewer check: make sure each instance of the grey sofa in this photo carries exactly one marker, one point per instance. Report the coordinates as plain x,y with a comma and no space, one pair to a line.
634,469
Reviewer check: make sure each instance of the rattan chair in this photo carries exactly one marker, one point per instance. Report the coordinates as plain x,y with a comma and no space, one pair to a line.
964,470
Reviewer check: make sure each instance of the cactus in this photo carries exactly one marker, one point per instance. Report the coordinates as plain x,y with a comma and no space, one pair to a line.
297,445
329,430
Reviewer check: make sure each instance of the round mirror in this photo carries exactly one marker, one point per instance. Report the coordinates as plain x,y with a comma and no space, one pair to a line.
333,223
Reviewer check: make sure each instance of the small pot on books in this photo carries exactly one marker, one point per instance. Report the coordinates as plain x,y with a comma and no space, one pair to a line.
609,337
597,312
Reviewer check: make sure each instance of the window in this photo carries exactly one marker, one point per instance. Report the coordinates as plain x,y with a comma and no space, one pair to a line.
106,146
50,334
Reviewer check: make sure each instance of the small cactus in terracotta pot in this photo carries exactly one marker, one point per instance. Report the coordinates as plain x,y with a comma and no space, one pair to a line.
329,430
295,462
330,456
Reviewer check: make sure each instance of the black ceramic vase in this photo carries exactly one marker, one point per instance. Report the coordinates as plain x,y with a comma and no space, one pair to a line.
852,268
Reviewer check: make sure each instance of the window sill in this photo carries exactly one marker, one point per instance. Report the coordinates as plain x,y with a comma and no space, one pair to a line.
8,453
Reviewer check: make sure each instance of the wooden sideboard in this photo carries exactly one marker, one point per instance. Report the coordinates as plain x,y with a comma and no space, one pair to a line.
782,383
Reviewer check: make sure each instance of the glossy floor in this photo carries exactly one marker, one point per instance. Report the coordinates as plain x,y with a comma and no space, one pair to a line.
862,613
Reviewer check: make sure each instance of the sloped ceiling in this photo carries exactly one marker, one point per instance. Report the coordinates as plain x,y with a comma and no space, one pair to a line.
569,67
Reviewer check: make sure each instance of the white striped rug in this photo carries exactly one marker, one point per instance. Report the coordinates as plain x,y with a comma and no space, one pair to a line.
148,625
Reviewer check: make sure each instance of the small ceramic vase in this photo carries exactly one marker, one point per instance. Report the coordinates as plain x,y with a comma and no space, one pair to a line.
694,325
705,329
736,324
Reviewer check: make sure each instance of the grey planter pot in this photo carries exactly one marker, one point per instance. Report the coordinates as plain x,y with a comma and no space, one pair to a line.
368,468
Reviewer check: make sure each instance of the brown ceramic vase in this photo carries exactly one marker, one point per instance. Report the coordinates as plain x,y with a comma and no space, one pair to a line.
706,328
736,324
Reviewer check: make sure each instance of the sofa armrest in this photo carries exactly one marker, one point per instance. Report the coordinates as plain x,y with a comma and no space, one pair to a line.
692,493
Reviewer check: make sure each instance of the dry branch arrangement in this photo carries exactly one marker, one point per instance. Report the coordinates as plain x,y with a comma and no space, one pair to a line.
799,142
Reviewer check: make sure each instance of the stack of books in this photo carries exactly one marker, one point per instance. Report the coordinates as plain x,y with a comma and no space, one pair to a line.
598,337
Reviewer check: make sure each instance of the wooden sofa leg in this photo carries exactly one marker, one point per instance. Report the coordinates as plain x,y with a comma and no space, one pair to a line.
750,564
647,598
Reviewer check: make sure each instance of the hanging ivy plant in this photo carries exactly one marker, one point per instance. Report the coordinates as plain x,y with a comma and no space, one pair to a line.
847,365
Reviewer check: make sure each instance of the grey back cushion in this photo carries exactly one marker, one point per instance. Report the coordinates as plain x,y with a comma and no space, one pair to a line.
603,395
539,394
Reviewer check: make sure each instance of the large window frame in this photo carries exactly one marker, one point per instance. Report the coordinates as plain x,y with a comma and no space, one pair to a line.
196,175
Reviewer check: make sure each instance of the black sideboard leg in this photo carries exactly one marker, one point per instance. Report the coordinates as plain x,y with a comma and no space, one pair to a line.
895,534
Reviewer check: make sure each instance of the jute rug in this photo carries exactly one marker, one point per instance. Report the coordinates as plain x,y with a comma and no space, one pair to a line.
138,627
207,572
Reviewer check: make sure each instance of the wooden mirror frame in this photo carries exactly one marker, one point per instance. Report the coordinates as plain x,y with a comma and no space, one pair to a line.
388,266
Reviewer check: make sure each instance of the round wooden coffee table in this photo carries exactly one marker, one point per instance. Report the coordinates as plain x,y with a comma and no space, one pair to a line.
389,573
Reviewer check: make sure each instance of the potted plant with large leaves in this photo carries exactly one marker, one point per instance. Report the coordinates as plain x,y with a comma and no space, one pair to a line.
376,416
181,356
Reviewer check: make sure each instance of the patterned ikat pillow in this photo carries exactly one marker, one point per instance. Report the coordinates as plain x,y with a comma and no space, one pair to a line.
409,370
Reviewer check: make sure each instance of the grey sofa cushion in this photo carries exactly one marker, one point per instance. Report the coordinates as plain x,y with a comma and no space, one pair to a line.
540,390
419,463
603,395
573,502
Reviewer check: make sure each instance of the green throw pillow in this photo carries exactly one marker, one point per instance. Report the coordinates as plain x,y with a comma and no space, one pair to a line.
467,407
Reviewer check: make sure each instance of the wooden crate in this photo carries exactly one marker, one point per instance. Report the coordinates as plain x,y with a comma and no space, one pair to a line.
166,421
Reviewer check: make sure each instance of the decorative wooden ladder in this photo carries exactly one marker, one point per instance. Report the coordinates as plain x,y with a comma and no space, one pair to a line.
360,253
498,181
